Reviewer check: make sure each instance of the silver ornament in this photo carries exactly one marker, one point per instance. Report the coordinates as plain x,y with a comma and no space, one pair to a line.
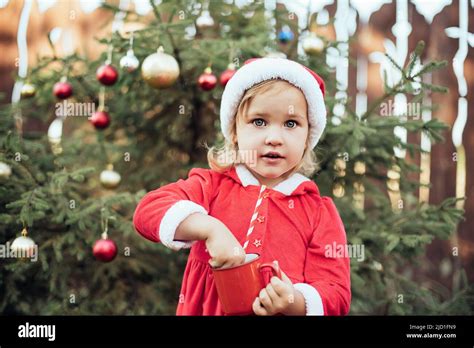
129,62
109,178
23,246
205,20
5,170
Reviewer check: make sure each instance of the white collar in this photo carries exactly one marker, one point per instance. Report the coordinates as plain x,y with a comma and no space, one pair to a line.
286,186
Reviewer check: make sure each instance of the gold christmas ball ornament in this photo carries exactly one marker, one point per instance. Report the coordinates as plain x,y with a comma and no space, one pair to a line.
160,70
338,190
109,178
339,164
28,90
359,168
24,246
340,167
394,173
313,45
359,187
55,132
5,170
393,185
377,266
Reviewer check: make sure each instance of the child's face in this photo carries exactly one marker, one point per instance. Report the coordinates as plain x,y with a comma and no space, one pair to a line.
276,121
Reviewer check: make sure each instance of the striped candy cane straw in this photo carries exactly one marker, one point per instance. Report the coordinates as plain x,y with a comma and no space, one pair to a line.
254,216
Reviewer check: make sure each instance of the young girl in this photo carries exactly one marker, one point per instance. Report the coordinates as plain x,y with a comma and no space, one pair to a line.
272,116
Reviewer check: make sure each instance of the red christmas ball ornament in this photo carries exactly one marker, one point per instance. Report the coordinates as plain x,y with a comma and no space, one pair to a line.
107,74
62,89
227,74
207,80
104,249
100,119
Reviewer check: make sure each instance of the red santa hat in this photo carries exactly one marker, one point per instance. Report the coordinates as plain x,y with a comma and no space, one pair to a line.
256,70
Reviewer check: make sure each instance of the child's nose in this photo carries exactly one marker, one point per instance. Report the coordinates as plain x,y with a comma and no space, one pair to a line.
274,136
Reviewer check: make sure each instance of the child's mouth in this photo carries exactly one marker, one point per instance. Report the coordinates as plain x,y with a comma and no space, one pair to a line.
272,157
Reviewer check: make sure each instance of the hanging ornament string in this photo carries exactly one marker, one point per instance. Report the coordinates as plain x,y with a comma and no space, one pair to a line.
102,99
132,34
253,220
109,53
100,135
104,223
130,62
227,74
105,249
22,61
117,23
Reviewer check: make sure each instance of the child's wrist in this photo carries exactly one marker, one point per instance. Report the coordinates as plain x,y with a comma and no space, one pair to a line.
297,306
207,227
196,226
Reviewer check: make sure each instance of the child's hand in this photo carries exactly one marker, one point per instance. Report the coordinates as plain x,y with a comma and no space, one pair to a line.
279,296
223,247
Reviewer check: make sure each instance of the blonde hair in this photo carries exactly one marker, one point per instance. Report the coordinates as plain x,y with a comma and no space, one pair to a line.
225,157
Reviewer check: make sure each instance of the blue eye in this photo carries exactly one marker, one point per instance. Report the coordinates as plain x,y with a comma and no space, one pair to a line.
258,122
291,124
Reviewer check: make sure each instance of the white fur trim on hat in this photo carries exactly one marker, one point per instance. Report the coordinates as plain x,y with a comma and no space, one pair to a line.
274,68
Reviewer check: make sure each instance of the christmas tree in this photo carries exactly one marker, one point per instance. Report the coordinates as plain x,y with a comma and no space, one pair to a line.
154,95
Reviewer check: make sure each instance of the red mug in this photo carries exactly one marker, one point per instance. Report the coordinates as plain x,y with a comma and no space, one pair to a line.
237,287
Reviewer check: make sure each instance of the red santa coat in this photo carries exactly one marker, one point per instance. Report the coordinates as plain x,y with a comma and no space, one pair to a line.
296,226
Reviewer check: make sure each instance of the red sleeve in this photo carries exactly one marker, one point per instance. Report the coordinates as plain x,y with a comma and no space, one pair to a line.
159,212
327,265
